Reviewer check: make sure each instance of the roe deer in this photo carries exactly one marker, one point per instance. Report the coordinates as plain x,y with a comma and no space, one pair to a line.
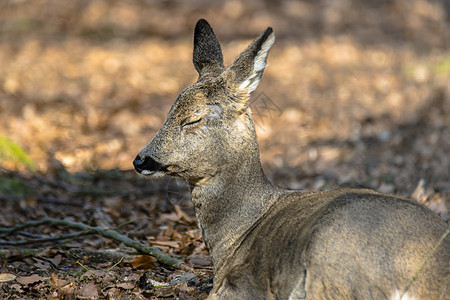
270,243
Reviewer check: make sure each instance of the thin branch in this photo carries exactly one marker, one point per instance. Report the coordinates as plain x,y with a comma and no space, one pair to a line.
5,231
44,240
156,253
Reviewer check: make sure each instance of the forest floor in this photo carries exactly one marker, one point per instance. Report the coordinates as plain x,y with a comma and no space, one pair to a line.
356,94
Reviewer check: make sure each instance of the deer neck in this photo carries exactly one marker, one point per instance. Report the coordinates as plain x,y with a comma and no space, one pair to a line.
228,204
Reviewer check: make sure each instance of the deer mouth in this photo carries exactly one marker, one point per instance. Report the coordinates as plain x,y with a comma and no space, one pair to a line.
149,166
154,174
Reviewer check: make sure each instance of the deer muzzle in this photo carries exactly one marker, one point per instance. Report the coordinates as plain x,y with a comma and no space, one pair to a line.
148,166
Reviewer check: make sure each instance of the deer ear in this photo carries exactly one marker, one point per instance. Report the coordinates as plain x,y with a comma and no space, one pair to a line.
207,55
249,66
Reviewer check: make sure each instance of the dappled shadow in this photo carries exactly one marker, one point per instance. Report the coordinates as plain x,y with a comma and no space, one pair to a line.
386,155
420,23
155,213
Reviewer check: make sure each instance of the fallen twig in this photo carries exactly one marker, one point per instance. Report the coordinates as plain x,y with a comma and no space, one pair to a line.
105,232
44,240
5,231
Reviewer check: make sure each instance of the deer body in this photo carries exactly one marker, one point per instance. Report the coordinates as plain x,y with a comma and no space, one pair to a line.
270,243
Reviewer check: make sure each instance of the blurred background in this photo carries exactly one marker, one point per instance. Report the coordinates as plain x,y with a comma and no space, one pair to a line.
356,94
357,90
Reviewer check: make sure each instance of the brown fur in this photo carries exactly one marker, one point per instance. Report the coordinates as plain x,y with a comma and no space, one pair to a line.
271,243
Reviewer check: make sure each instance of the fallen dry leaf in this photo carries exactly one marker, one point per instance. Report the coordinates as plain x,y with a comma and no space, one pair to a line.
132,277
182,215
93,274
16,288
56,260
196,261
126,285
143,262
41,265
68,290
5,277
30,279
55,282
171,244
89,292
164,292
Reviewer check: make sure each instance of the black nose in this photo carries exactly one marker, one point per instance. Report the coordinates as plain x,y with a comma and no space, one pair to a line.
148,164
138,164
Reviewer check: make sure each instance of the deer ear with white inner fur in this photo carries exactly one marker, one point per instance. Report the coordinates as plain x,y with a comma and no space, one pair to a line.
249,66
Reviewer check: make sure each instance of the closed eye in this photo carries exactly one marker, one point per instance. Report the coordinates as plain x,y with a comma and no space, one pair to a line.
192,123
